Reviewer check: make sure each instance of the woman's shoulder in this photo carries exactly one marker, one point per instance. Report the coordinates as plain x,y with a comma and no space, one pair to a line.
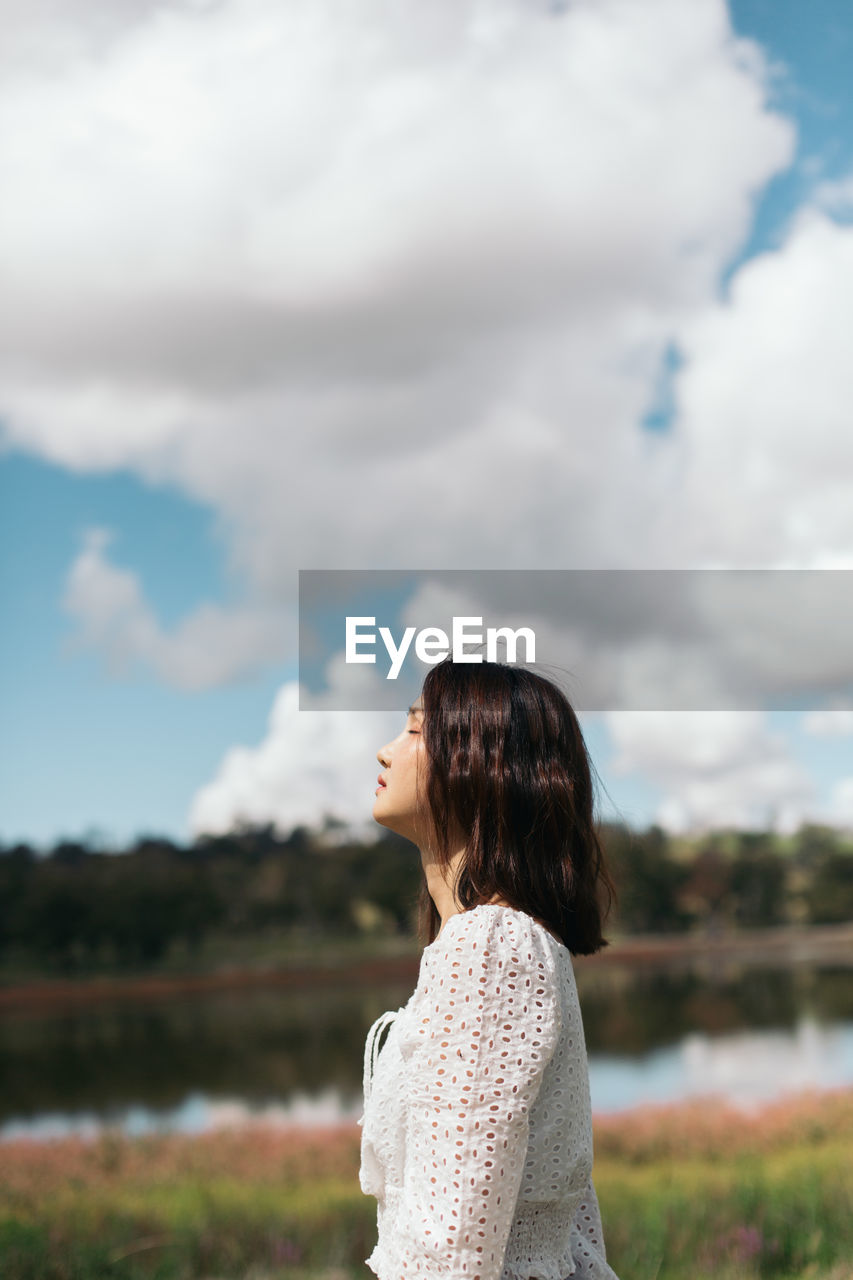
496,926
490,960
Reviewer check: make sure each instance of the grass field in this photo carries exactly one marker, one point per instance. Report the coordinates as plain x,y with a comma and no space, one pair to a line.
687,1193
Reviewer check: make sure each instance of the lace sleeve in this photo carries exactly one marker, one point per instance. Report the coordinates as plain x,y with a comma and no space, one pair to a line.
485,1021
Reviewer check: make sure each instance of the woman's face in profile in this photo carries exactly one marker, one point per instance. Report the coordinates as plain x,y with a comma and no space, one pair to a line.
397,803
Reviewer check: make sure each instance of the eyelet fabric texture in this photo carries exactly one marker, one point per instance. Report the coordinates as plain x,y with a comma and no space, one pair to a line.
477,1128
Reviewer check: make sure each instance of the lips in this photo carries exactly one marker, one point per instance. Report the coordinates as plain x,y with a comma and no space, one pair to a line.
381,781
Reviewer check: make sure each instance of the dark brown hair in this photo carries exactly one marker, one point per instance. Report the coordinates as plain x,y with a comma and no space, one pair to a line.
508,772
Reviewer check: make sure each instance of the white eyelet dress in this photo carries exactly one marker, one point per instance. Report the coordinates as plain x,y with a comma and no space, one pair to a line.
477,1131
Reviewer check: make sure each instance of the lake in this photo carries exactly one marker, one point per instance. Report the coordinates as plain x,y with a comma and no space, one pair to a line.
197,1062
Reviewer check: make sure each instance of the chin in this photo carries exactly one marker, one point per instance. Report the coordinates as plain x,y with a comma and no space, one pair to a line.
386,820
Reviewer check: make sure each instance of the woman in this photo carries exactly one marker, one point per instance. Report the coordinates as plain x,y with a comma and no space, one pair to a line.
477,1133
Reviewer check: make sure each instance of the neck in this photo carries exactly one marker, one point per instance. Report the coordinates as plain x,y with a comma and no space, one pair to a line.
439,884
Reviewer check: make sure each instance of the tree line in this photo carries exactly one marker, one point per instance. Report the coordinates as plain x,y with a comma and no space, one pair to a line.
74,908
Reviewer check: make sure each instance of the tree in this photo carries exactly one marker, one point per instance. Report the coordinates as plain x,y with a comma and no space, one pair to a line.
759,878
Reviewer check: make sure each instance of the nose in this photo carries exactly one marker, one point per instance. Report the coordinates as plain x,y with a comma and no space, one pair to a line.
383,756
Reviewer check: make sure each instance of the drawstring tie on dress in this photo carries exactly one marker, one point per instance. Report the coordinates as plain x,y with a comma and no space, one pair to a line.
371,1051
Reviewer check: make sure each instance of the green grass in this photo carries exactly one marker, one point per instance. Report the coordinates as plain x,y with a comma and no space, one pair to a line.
686,1194
784,1215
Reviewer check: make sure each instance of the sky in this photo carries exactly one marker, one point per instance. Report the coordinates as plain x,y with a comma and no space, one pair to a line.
505,284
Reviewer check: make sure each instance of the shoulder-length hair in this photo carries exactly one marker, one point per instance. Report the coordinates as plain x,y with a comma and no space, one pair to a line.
509,773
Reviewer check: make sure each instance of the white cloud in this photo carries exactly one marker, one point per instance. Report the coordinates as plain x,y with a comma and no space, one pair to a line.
310,764
829,722
381,285
210,646
835,197
766,454
713,768
43,35
391,286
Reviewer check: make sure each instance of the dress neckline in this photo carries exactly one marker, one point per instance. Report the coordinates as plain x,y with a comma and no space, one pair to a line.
498,906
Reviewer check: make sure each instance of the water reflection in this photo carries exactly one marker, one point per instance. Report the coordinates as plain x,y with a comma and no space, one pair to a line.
745,1069
196,1114
197,1063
